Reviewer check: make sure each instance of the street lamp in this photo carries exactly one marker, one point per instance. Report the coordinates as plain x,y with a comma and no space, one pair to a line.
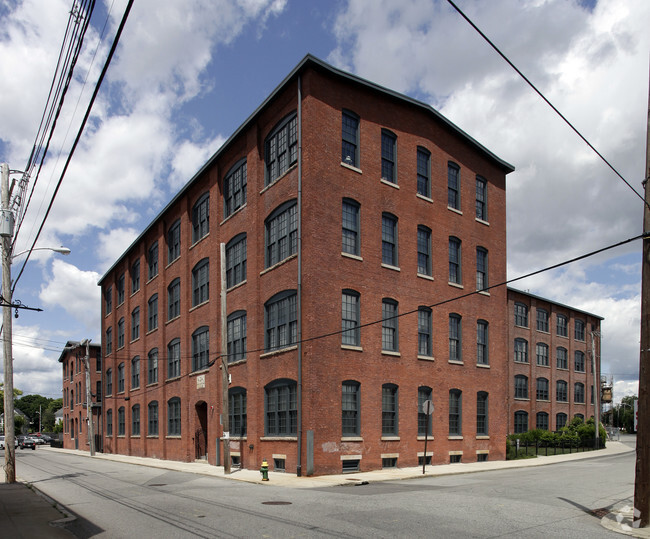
61,250
6,236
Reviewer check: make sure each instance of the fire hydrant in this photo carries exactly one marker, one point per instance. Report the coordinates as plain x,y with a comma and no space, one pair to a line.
264,470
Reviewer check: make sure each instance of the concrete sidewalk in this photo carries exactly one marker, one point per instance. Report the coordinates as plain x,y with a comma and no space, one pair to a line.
24,512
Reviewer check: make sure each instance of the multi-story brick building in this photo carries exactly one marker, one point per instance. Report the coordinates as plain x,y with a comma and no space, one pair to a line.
551,374
75,419
358,224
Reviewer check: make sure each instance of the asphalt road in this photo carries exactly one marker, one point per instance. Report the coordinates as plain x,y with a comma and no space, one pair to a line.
119,500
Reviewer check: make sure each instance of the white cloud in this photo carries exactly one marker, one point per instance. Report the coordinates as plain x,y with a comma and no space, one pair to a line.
111,245
189,157
76,292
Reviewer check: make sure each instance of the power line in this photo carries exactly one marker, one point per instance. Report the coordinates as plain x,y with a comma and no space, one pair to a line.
547,101
79,133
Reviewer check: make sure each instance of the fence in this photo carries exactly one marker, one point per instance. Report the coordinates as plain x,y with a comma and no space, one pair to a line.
540,447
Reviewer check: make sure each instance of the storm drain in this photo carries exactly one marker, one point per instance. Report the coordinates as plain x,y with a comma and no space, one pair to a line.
276,503
600,513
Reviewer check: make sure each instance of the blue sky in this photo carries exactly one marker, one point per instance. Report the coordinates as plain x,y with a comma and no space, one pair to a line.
187,74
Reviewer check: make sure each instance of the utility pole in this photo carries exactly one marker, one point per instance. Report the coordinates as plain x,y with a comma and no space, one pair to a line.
596,387
642,475
89,411
225,411
6,234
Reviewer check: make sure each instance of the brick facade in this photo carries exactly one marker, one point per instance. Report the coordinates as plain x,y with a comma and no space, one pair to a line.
568,360
302,430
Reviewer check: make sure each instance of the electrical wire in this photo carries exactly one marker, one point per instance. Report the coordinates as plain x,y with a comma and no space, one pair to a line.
79,133
547,101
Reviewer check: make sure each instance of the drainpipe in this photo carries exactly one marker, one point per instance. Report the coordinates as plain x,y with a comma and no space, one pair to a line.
299,286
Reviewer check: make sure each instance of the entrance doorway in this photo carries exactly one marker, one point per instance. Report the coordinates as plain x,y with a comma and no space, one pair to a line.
201,431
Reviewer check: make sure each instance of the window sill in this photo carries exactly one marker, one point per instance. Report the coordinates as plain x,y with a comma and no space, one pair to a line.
152,436
350,167
278,264
237,362
278,439
198,241
173,437
483,293
426,358
353,257
151,278
390,438
523,399
454,437
276,180
521,362
199,305
233,287
173,319
136,436
563,369
390,353
138,290
279,351
544,366
455,285
173,378
204,370
421,438
235,212
486,223
454,210
425,198
351,347
483,365
423,276
543,400
390,267
169,264
455,362
151,384
134,340
351,439
482,437
389,183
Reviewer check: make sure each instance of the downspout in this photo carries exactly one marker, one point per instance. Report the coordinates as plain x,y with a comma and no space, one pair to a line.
299,284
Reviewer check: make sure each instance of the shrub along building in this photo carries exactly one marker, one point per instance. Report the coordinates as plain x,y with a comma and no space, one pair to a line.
555,384
358,224
75,418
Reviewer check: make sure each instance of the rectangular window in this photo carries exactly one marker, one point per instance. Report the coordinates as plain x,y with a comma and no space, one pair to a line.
389,326
152,260
455,348
350,318
542,354
120,333
152,366
350,424
542,320
281,410
234,186
541,422
562,325
120,378
482,354
281,321
108,300
481,199
109,382
425,340
135,277
453,186
389,410
135,324
152,420
236,260
120,289
174,242
388,156
200,348
455,412
174,359
521,351
424,419
424,250
236,336
424,172
135,372
389,239
579,393
579,330
281,149
455,275
201,282
201,218
174,417
481,413
109,422
481,268
542,389
281,234
521,387
135,420
121,422
152,313
109,340
521,315
174,299
350,228
350,139
561,391
579,361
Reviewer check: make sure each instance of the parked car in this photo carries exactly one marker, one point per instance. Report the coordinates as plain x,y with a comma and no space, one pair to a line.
26,441
2,442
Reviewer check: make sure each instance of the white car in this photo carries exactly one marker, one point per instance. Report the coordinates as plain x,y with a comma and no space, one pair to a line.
2,442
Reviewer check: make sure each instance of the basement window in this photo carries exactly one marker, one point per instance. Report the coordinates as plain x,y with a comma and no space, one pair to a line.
389,462
350,466
278,465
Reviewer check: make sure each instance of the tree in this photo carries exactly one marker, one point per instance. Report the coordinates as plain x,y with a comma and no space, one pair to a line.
624,413
32,405
17,393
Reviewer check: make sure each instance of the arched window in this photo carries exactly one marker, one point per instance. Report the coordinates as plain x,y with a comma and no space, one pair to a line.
280,407
350,408
201,218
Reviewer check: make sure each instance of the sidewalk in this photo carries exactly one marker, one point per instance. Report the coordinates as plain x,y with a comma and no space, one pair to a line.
26,513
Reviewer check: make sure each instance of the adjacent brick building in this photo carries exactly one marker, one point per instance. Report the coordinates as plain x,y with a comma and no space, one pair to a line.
358,224
75,419
551,374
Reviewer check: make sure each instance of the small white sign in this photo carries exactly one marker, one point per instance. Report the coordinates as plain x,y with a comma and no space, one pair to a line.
226,435
200,381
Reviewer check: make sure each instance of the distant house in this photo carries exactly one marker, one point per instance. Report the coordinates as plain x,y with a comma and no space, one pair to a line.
17,413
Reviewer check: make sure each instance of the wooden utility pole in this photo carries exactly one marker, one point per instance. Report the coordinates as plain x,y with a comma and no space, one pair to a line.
642,476
225,411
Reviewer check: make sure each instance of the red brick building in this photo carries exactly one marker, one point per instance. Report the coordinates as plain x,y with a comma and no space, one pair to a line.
551,374
358,224
75,418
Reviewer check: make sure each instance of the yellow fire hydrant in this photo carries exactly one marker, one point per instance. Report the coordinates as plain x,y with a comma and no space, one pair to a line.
264,470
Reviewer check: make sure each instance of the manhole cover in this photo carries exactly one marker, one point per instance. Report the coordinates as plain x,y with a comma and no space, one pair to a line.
276,503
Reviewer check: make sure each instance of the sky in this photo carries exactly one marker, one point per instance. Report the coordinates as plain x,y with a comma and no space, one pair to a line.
187,74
